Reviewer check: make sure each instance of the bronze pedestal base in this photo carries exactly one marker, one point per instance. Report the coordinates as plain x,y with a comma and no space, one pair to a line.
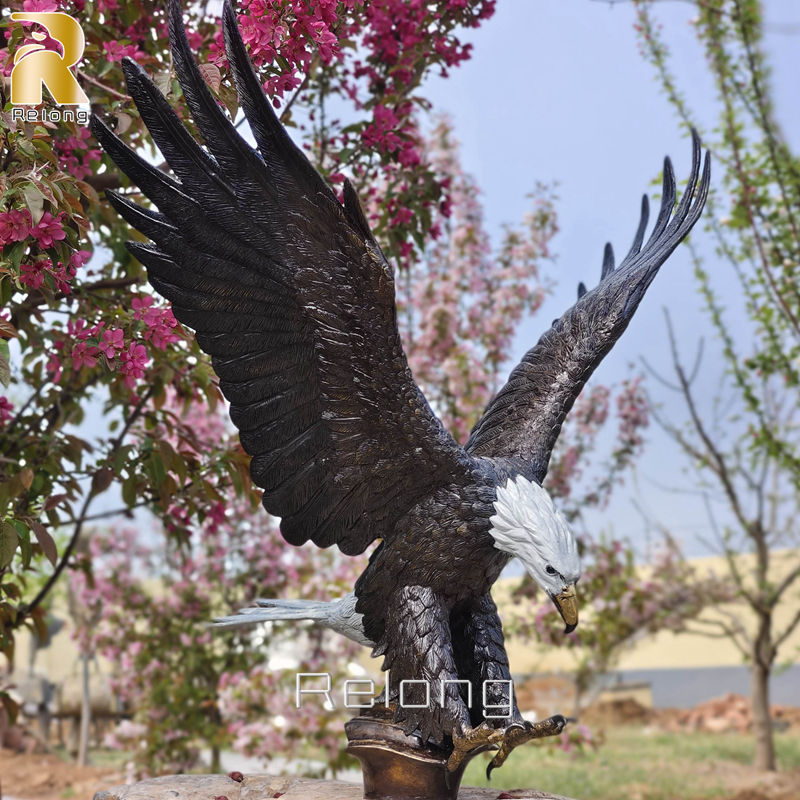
398,766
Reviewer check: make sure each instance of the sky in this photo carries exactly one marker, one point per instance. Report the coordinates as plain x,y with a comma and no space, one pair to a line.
556,90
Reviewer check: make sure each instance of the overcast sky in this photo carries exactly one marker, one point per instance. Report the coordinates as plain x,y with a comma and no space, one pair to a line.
557,91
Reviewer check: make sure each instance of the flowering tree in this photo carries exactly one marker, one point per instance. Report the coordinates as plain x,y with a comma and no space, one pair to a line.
208,688
461,302
138,600
624,603
576,477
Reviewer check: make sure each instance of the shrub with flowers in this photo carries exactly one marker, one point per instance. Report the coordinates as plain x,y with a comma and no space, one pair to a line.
187,686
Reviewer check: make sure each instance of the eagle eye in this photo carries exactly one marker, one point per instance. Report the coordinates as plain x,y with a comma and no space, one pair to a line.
549,570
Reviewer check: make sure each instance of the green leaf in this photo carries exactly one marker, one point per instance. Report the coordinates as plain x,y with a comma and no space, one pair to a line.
121,456
157,468
9,539
129,491
5,364
12,590
34,199
15,254
168,454
7,286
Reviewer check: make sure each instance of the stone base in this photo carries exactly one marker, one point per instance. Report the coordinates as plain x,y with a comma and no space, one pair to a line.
262,787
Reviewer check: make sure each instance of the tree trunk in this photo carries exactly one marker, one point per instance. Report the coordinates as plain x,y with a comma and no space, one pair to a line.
759,696
86,714
216,760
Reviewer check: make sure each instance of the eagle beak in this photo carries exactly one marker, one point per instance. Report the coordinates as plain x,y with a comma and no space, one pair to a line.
567,605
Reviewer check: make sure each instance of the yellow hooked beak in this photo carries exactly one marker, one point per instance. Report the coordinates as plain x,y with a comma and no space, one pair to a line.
567,605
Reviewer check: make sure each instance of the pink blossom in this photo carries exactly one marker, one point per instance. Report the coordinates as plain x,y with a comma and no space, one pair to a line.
84,355
63,276
54,367
381,132
160,327
116,51
14,225
140,304
160,323
112,341
79,258
78,328
32,272
39,5
76,154
133,362
326,40
5,410
402,217
49,230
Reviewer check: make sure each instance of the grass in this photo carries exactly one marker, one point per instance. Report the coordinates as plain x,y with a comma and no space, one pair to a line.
98,757
637,764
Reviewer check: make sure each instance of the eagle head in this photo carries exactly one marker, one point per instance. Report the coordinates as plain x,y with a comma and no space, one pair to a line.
527,525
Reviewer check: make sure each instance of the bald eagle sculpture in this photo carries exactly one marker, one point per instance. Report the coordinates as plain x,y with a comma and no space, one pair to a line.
291,296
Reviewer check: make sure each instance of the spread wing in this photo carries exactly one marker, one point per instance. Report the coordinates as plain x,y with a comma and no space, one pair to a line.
291,296
524,419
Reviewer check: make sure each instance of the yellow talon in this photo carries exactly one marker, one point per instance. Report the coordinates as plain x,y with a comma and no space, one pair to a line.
517,734
473,739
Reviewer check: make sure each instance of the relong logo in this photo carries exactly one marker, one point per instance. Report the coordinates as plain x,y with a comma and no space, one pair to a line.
35,65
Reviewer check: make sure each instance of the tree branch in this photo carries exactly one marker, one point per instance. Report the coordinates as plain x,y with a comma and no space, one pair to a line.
723,634
786,583
790,629
27,610
721,470
95,82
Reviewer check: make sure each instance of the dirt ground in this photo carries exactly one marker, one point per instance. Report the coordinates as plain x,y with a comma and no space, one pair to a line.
47,777
753,785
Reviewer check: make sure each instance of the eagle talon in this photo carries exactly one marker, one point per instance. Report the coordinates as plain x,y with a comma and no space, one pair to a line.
469,741
518,733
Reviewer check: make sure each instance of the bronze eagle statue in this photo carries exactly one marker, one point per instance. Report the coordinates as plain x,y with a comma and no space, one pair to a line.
290,294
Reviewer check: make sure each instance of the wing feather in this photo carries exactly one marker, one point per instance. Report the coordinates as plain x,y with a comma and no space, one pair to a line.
292,298
523,421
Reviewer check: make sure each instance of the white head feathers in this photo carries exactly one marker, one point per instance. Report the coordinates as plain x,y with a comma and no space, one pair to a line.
527,525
